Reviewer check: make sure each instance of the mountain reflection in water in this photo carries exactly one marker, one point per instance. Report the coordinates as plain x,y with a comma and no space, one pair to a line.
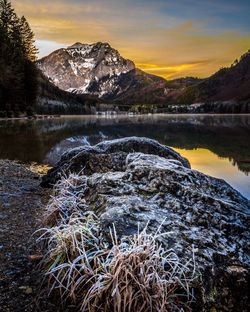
218,145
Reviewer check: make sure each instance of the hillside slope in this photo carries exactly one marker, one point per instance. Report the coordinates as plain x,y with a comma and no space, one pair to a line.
232,83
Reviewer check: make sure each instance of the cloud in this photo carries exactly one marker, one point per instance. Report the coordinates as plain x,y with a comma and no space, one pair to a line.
179,39
46,47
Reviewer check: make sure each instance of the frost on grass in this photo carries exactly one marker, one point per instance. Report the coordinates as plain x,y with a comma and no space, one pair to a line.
67,199
134,273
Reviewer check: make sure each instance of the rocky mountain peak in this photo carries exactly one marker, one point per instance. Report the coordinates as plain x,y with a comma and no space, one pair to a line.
85,48
86,68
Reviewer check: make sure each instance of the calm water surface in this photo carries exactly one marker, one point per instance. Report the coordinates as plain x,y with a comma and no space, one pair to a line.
216,145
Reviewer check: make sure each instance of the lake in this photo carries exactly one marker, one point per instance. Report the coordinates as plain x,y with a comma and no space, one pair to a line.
218,145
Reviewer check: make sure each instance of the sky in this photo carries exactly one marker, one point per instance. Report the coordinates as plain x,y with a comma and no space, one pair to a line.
170,38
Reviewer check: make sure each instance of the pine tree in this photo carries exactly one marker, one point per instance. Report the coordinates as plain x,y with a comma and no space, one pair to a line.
6,15
27,34
30,71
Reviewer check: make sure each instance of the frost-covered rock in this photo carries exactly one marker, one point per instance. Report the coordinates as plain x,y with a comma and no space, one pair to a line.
107,156
137,180
134,181
196,209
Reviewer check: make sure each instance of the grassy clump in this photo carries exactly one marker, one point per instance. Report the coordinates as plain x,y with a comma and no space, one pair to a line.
67,199
133,273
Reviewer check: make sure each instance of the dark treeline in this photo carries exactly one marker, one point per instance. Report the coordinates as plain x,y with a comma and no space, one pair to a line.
52,100
219,107
18,82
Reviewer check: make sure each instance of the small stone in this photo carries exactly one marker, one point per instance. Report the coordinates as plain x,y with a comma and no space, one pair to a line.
29,291
35,257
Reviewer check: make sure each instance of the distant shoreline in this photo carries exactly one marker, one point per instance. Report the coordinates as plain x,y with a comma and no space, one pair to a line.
36,117
46,117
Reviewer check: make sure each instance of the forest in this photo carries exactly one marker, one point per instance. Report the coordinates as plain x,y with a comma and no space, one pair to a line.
18,73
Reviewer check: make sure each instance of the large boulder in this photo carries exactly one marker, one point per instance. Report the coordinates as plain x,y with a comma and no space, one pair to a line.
194,208
107,156
138,181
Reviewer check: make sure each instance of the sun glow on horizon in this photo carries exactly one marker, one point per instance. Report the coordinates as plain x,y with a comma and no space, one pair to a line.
166,71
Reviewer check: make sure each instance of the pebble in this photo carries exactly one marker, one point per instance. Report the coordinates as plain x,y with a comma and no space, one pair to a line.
27,290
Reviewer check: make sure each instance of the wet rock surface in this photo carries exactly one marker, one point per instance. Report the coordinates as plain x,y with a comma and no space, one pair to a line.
126,182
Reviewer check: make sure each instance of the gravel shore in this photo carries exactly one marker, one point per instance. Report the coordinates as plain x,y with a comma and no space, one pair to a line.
22,201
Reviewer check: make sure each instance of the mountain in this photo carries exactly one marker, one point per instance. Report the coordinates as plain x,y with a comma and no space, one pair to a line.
99,70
